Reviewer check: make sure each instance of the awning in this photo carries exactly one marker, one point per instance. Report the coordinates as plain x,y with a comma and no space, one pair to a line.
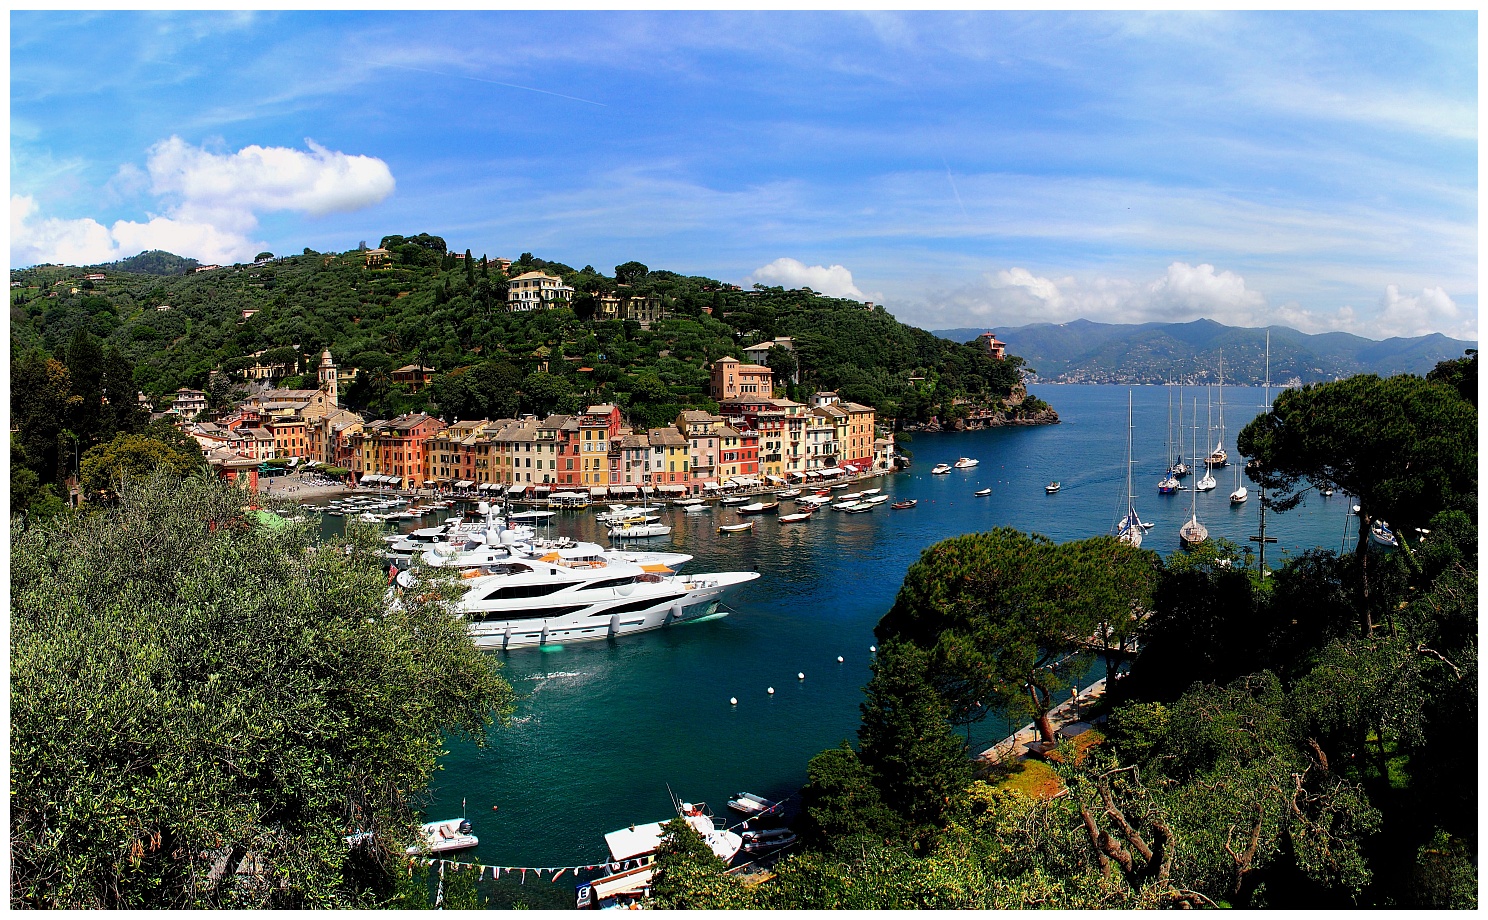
656,568
428,482
831,471
465,484
775,479
541,489
520,488
672,490
623,490
599,491
710,485
811,474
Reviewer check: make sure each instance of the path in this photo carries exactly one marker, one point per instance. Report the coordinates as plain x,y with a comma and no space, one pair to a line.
1025,741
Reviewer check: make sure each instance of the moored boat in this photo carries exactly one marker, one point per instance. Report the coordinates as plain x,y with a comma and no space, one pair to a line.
965,463
940,468
750,804
759,508
768,839
907,503
795,518
982,492
443,837
1052,487
736,528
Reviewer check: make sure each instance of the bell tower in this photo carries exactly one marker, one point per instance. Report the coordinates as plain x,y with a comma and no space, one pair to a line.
328,377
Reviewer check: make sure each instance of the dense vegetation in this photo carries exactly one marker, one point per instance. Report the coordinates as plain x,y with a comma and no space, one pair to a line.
429,307
1302,739
203,704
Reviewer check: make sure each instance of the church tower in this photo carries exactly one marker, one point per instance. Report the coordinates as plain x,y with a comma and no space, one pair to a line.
328,377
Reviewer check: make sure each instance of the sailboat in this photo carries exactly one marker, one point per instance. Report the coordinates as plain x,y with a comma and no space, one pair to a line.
1169,483
1129,529
1178,468
1218,457
1207,481
1240,494
1193,533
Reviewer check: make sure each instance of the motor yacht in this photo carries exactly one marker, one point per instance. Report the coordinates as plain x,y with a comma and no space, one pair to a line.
581,594
965,463
940,468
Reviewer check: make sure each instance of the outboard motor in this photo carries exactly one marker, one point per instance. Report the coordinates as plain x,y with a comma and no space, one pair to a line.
464,825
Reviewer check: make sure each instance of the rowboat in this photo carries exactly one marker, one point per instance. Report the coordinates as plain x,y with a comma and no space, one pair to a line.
795,518
983,492
907,503
736,528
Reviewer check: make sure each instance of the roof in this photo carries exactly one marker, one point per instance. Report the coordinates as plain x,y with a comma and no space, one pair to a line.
534,275
857,407
634,440
410,368
601,409
698,415
667,437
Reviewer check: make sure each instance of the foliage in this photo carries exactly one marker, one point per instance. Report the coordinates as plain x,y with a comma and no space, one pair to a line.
190,690
108,467
689,876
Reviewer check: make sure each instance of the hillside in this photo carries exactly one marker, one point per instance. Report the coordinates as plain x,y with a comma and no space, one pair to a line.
429,306
1086,352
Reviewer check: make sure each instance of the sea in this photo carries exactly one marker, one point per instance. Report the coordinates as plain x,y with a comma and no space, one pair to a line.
605,733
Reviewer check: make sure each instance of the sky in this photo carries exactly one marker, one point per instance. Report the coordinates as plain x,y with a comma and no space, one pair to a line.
964,169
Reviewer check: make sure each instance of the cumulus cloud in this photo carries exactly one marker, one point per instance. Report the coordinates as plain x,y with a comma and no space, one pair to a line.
1430,311
1185,292
834,281
210,202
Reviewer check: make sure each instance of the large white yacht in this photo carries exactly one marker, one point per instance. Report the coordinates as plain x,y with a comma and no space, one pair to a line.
583,592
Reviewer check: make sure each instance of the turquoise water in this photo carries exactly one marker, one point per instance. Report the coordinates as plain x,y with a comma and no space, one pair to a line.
604,728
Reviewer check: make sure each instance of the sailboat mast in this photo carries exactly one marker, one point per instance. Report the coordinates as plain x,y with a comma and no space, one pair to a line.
1131,497
1196,458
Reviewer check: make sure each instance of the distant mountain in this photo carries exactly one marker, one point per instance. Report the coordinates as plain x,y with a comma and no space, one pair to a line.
1087,352
154,262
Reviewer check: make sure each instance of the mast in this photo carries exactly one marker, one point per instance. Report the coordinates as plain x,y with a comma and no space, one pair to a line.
1221,404
1196,458
1131,497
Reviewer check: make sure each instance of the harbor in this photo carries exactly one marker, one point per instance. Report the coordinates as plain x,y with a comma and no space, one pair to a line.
691,705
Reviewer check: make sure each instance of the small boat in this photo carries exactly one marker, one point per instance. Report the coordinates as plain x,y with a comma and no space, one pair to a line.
444,836
755,841
686,502
1193,533
759,508
1169,485
965,463
1052,487
1381,534
940,468
795,518
735,500
873,491
736,528
788,493
750,804
843,506
1326,493
983,492
875,499
842,485
697,509
1205,483
639,531
1241,493
850,496
860,508
907,503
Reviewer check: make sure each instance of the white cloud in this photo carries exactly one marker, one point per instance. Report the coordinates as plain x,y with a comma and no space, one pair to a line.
834,281
1430,311
212,202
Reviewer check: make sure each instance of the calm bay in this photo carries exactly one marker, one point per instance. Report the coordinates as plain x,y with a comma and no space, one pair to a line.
602,729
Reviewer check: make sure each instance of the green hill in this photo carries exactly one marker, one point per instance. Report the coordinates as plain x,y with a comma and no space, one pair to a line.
428,306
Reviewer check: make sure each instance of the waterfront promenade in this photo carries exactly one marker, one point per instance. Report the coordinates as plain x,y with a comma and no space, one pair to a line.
1068,721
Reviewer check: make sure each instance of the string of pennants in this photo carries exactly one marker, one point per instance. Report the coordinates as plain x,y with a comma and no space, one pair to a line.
497,871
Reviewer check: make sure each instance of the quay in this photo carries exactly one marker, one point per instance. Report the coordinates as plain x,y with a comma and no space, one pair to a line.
1066,718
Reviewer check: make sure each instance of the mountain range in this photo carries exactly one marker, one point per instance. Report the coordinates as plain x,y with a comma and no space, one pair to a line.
1088,352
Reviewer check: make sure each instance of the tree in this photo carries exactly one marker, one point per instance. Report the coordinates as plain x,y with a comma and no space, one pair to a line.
630,272
192,690
264,256
840,801
918,763
782,364
1405,446
689,876
107,467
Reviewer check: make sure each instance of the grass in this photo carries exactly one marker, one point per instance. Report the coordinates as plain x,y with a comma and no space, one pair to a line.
1034,779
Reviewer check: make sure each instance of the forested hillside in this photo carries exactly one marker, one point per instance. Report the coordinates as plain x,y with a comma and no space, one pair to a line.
428,306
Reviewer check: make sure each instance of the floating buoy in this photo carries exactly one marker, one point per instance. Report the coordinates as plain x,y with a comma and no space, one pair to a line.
800,675
839,659
872,648
770,690
733,701
494,807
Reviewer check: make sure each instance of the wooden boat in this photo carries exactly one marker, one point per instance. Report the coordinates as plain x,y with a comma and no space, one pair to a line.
875,499
750,804
795,518
860,507
735,500
907,503
736,528
759,508
873,491
1052,487
983,492
788,493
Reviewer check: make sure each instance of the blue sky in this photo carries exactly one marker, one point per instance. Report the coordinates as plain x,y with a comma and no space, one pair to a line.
965,169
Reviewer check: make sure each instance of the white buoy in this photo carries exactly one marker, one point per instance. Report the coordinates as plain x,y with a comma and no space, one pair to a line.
872,648
770,690
839,659
800,675
733,701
